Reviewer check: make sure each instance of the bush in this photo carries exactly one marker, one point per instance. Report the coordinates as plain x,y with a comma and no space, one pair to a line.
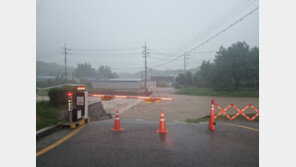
58,96
53,82
221,93
46,114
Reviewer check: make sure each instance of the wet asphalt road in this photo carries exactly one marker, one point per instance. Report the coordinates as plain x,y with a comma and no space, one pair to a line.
139,145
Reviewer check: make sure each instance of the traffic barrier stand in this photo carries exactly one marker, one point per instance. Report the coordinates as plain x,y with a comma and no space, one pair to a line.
162,127
222,111
117,126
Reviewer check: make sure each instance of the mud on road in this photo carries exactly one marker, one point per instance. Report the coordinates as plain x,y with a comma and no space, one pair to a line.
180,109
184,107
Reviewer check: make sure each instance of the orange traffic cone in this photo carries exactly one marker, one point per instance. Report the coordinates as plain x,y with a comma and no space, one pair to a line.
117,126
162,128
212,119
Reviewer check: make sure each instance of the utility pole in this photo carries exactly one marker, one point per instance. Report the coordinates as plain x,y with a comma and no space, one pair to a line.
65,52
185,58
145,56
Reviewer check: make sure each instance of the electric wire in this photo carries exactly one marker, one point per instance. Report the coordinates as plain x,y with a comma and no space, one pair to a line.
167,61
227,16
201,44
232,15
223,30
107,50
105,54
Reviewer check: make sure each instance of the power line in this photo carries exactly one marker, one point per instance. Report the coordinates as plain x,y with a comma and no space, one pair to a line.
47,50
179,67
48,54
158,58
128,68
194,61
91,54
105,54
232,15
171,53
228,14
232,8
213,26
108,50
160,53
167,61
234,23
176,58
191,51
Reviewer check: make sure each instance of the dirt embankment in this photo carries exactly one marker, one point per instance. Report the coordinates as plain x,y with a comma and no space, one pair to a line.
97,112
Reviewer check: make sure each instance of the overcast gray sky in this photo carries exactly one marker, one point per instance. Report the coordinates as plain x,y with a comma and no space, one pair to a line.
113,32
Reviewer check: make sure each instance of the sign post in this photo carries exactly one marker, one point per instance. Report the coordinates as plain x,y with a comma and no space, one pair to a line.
70,106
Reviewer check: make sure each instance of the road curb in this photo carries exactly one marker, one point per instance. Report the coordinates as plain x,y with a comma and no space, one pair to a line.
47,131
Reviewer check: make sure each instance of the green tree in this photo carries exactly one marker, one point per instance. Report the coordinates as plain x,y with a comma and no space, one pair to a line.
204,75
180,80
84,70
104,72
48,69
231,66
188,78
253,68
184,79
234,67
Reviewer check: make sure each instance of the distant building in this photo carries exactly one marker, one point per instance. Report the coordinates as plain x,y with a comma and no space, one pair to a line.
117,84
163,81
39,77
121,84
85,80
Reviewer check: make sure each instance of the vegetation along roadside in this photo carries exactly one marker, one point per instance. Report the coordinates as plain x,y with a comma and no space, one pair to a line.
195,91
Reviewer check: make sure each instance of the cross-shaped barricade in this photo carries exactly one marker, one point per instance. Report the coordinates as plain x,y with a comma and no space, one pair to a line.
222,111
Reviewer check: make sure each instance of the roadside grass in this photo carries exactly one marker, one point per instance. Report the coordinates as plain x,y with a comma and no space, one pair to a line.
223,118
41,92
46,114
194,91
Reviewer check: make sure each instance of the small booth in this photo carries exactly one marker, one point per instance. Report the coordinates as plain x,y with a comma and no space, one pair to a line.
77,107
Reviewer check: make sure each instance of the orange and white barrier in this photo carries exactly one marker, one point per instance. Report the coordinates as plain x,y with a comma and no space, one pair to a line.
222,111
146,98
